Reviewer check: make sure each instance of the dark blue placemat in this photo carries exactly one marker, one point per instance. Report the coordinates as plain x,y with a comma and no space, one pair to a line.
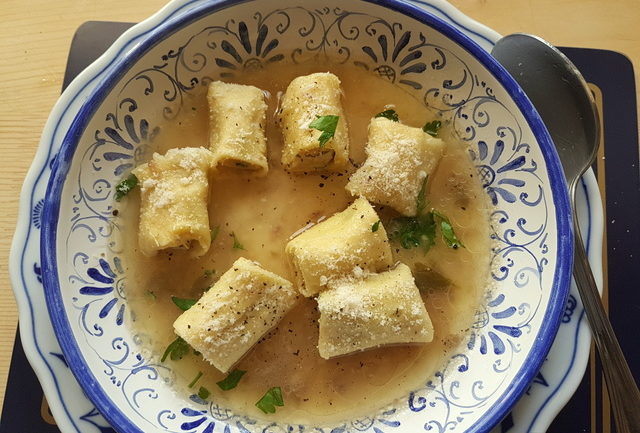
612,73
25,408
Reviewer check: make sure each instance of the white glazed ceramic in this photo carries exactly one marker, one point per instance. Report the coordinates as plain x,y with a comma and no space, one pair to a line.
472,392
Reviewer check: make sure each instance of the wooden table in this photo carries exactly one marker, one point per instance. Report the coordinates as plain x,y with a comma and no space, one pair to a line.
35,37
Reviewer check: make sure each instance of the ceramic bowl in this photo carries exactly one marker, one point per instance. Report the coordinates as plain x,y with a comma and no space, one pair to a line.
199,41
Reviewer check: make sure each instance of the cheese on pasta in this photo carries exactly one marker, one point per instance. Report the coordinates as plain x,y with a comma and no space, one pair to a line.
399,158
341,245
237,115
307,98
380,309
174,192
244,304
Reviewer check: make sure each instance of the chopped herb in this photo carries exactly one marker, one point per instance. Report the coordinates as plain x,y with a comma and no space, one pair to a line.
432,128
421,199
375,226
448,234
176,350
388,114
416,231
412,232
420,230
231,381
195,379
236,244
152,295
270,400
214,233
209,272
428,278
126,186
326,124
203,393
183,303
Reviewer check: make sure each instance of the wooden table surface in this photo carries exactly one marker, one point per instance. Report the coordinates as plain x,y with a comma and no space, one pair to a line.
35,37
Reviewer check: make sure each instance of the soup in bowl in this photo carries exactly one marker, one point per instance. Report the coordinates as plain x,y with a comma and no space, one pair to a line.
275,216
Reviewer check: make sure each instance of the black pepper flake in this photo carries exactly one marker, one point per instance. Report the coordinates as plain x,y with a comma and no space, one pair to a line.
115,212
321,185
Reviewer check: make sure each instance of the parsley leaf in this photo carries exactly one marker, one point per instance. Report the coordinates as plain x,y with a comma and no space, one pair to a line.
152,295
388,114
270,400
375,226
183,303
416,231
236,243
231,381
413,232
126,186
428,278
326,124
214,233
203,393
448,234
195,379
432,128
176,350
420,230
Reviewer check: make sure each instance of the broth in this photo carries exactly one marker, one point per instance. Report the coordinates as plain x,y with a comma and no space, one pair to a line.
263,213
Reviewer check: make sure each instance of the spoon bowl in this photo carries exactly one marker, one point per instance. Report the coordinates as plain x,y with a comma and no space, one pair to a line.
566,105
559,93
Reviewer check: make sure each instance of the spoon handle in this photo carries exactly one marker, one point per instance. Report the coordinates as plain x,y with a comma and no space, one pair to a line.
623,392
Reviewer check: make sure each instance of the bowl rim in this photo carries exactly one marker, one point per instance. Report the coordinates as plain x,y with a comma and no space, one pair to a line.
120,66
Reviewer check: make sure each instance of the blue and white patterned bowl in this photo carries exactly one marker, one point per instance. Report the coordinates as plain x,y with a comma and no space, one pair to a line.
203,40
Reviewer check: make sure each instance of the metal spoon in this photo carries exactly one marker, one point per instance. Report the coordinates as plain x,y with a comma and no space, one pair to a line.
566,105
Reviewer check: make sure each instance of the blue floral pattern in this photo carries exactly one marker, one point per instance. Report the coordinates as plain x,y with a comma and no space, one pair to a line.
445,78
